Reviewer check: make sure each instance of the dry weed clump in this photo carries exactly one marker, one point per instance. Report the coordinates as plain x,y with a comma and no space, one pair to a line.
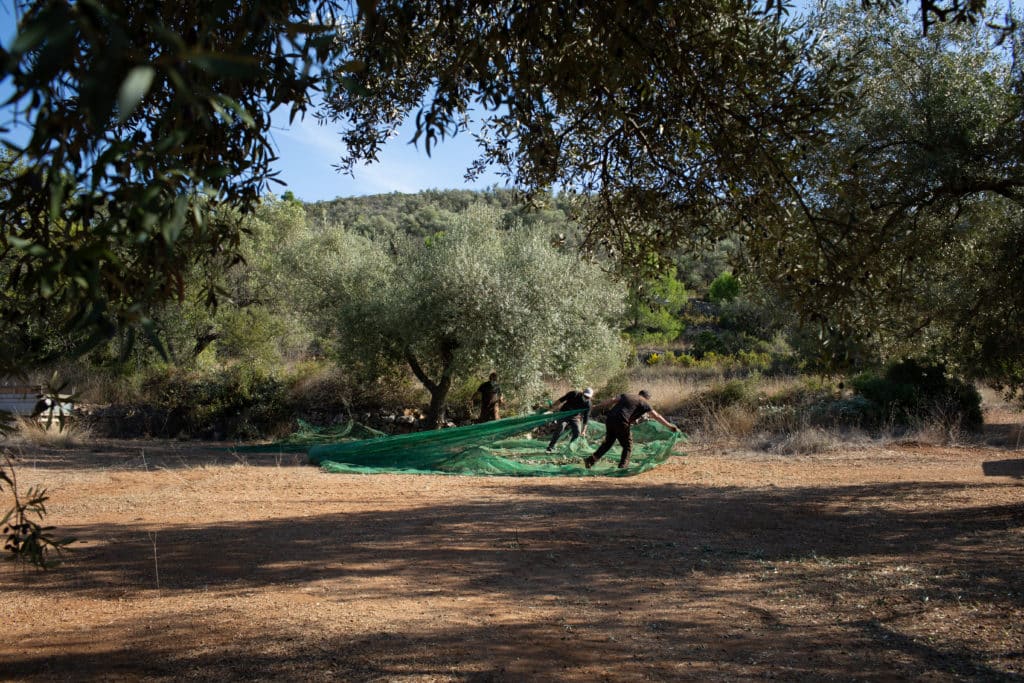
930,432
32,432
732,423
807,441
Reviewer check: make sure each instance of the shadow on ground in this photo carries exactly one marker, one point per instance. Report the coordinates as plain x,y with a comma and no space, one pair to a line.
621,580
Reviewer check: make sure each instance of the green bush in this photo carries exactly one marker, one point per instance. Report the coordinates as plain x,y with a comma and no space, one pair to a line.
619,383
725,287
237,402
746,317
684,360
910,392
708,342
728,394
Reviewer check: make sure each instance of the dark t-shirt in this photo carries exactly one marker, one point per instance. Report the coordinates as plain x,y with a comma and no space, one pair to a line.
629,409
575,400
490,392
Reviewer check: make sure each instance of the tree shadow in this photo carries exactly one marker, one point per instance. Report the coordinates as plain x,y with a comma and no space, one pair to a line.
1006,436
630,573
1004,468
521,652
523,542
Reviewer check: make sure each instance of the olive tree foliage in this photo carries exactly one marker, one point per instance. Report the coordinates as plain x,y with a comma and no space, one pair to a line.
656,114
255,321
907,236
148,134
143,119
480,295
659,115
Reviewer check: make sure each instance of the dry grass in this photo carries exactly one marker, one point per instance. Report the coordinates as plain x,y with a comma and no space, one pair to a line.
731,424
35,433
806,441
769,414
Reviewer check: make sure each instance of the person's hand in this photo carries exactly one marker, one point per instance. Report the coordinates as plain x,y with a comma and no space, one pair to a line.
673,428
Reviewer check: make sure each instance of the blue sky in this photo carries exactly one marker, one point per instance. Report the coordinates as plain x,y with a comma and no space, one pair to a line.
308,151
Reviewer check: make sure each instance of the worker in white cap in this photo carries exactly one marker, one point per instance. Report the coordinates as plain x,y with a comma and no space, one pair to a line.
573,400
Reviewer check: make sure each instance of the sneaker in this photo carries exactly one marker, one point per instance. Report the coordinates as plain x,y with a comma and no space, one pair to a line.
549,449
588,462
623,464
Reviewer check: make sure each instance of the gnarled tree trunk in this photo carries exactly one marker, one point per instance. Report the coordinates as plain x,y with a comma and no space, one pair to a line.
437,412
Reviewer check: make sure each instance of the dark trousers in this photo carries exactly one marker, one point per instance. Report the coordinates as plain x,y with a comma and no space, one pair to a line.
488,413
615,430
574,426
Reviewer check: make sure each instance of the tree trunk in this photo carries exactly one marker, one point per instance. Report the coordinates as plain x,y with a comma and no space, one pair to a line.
439,390
438,410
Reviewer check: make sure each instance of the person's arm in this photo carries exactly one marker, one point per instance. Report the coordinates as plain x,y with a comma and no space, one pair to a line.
657,416
558,402
606,404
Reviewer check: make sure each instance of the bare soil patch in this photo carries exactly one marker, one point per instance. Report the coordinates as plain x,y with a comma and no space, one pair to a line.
196,563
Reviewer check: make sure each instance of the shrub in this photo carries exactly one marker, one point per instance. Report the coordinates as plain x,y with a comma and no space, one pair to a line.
237,402
910,392
747,317
708,342
725,395
684,360
725,287
618,384
754,360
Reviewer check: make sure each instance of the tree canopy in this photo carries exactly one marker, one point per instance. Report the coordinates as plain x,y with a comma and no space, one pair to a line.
478,296
672,121
144,119
660,113
907,237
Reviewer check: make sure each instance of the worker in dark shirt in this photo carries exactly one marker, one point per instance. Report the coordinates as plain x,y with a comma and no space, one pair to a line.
490,399
627,410
573,400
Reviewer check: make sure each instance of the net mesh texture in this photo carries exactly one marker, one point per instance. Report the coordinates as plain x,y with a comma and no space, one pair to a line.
499,448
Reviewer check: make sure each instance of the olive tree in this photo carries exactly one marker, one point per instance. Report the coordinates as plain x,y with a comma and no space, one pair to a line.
480,295
146,129
655,114
144,118
907,237
254,320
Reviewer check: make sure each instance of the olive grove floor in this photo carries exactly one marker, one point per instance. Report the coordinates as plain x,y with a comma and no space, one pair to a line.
193,562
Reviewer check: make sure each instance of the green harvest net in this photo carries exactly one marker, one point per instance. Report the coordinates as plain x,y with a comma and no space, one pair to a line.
307,436
490,449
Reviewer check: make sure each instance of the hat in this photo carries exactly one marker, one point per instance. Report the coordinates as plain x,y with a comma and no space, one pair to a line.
645,393
588,392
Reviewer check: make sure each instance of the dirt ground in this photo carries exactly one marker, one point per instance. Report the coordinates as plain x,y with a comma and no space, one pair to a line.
195,563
